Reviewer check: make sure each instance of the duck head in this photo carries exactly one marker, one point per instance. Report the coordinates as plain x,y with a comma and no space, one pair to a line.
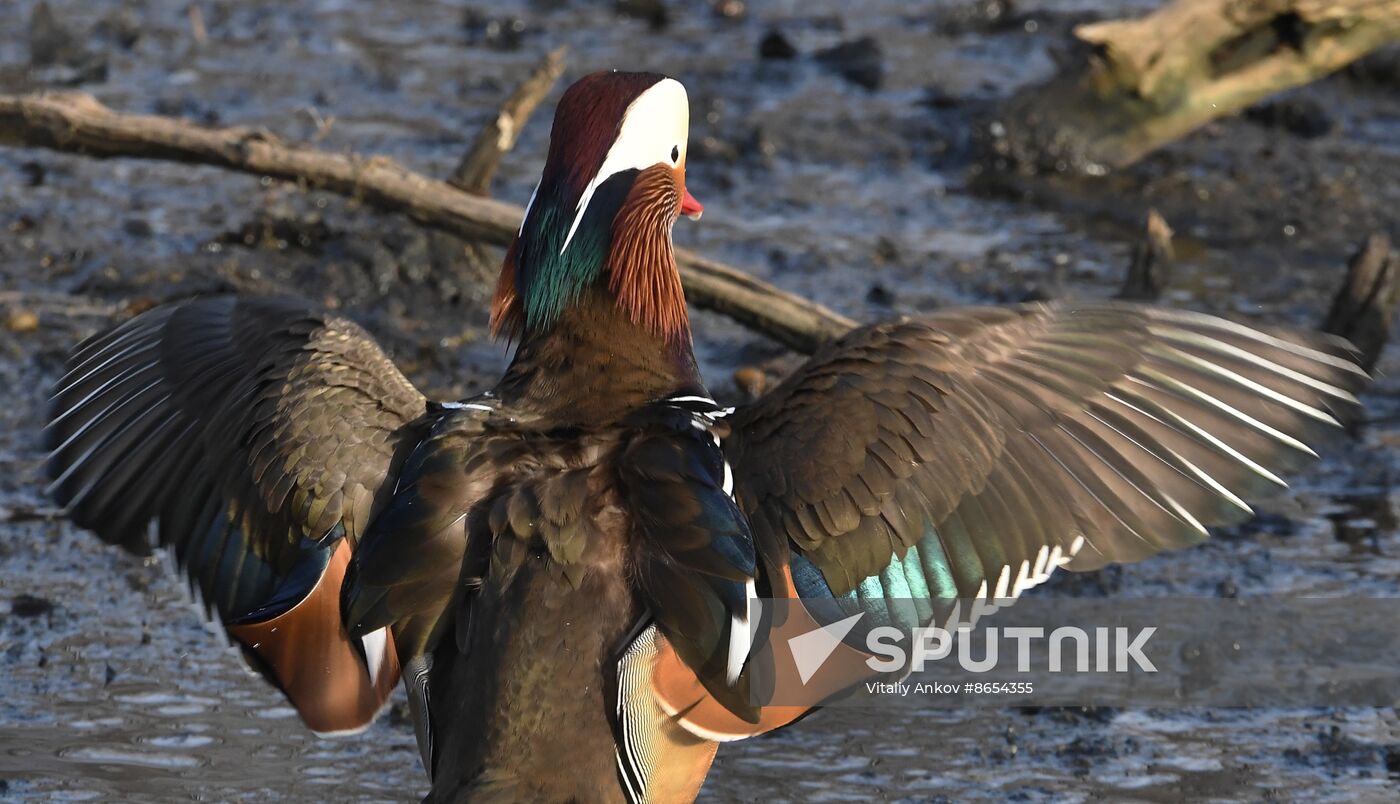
601,215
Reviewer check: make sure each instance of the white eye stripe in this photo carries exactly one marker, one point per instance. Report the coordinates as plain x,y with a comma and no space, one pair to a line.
656,122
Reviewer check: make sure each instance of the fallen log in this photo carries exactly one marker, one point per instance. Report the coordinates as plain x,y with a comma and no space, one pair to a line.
78,123
1139,84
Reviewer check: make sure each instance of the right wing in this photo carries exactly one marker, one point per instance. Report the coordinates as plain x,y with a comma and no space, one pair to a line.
262,436
989,440
965,456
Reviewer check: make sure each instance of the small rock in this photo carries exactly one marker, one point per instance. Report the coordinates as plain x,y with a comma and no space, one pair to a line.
111,675
1301,117
760,142
186,106
34,173
1227,589
858,61
22,320
979,16
137,227
1269,523
497,33
653,12
280,233
122,28
886,251
881,295
751,380
730,9
775,46
713,149
25,605
939,98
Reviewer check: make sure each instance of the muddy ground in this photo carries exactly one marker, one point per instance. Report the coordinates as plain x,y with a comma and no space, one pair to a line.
850,178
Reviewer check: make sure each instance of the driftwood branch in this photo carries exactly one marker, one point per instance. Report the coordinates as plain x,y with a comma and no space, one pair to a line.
80,124
498,136
1145,82
1365,305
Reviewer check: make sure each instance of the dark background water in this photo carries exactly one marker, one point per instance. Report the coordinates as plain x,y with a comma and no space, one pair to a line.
865,198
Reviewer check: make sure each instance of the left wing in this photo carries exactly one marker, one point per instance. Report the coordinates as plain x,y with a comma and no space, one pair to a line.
262,436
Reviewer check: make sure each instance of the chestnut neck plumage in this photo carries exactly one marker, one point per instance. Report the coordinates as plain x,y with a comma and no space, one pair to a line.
595,365
602,328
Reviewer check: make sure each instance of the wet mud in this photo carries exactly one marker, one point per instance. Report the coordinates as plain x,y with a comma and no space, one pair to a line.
837,154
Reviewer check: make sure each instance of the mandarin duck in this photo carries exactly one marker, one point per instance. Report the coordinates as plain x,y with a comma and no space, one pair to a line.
563,569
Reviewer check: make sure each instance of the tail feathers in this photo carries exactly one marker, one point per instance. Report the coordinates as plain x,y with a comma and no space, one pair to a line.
337,685
658,759
416,674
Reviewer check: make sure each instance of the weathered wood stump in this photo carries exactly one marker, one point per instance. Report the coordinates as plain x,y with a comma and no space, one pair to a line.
1150,269
1364,307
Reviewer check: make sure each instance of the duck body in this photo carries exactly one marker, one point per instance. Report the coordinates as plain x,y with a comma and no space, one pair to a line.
525,684
516,691
517,541
563,570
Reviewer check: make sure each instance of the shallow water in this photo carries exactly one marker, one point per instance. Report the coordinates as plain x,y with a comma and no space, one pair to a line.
110,686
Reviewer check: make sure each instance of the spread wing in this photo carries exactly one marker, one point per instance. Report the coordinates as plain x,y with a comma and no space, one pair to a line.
259,435
969,454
